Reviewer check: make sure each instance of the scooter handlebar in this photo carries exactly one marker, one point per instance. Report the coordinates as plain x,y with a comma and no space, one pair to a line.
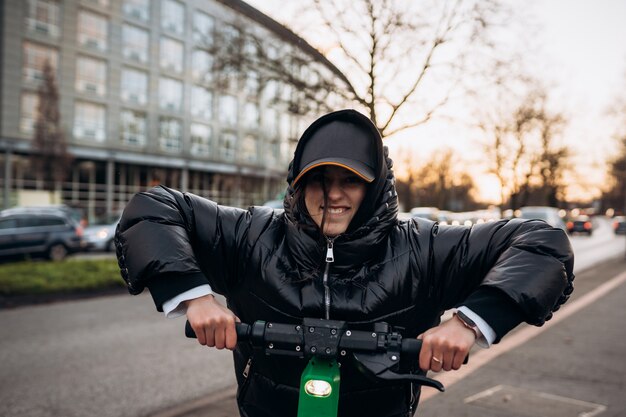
243,331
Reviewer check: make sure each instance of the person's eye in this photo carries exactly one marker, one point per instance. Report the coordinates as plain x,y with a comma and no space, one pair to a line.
352,179
315,178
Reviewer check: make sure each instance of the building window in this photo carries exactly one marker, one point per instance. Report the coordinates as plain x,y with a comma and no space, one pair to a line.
251,116
170,94
43,17
171,55
35,57
173,16
203,25
28,113
229,72
249,149
170,134
228,143
202,66
271,91
89,121
273,152
252,84
101,3
201,102
134,87
133,128
91,76
137,9
92,30
270,123
228,110
285,127
135,43
200,139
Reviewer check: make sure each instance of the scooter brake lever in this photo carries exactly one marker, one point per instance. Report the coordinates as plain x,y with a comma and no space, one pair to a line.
380,366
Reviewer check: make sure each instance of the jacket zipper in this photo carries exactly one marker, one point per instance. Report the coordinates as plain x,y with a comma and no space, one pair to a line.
243,388
246,370
330,257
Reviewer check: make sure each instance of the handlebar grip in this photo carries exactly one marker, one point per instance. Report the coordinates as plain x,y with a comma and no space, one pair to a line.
189,331
411,347
243,331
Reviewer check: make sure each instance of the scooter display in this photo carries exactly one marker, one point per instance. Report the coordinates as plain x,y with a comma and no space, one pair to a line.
381,353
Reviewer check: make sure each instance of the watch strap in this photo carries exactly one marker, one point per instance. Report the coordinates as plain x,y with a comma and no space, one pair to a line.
467,322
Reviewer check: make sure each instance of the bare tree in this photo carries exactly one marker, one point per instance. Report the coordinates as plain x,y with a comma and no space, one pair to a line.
554,159
614,195
277,71
50,158
508,153
523,151
439,182
400,61
404,60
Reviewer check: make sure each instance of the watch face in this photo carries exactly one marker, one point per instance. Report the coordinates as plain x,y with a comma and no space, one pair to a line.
466,319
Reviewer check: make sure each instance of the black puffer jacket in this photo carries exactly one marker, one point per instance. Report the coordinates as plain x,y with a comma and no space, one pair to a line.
403,272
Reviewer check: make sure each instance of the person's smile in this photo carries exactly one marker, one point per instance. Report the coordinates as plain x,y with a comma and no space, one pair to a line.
336,192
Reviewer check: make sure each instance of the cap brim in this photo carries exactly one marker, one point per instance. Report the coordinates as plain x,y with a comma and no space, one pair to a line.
363,171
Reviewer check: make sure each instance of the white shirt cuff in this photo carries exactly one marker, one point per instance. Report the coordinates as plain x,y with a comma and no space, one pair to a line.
486,333
174,307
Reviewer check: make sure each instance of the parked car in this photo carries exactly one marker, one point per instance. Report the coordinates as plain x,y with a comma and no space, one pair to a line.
100,234
75,213
46,231
548,214
580,224
619,225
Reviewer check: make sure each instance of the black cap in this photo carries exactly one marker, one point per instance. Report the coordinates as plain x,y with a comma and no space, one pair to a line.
340,143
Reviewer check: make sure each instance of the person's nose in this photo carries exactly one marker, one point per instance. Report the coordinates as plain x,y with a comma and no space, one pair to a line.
334,190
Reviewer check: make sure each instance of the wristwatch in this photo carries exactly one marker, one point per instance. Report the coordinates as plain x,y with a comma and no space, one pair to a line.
467,322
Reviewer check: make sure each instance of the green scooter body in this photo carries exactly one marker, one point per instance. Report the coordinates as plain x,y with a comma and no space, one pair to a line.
319,389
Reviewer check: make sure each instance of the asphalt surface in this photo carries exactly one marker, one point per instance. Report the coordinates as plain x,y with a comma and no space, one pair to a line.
112,356
116,356
575,367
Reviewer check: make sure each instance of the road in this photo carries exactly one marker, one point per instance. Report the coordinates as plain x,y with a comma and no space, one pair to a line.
85,358
112,356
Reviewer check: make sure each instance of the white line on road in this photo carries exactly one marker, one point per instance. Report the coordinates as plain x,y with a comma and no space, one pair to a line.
525,334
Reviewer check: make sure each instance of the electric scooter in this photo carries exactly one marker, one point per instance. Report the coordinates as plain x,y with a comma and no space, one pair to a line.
381,353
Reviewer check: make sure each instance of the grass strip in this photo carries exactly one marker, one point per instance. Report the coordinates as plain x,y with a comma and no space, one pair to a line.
45,277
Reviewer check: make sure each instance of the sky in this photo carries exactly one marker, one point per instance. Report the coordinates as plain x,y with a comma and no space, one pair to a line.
579,51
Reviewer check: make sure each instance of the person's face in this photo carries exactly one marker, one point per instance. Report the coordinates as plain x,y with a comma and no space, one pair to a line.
345,192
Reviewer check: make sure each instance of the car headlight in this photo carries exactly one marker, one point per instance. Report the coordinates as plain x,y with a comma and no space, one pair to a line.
103,234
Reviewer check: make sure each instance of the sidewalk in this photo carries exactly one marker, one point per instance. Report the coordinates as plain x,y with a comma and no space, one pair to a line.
575,367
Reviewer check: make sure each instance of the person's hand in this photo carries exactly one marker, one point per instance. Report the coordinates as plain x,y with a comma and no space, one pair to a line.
445,347
213,323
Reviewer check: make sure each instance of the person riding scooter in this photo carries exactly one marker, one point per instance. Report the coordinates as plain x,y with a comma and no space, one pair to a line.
339,252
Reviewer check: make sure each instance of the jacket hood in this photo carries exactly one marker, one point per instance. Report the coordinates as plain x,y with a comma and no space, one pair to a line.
379,208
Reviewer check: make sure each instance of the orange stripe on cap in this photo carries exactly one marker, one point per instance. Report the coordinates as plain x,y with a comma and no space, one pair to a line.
301,174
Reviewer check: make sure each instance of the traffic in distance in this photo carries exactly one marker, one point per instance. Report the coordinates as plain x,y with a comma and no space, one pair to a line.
56,231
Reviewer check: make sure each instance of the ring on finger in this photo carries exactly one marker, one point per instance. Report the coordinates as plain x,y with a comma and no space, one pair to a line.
436,360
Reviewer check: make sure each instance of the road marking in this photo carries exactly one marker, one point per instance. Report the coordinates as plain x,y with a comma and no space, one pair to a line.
503,397
526,333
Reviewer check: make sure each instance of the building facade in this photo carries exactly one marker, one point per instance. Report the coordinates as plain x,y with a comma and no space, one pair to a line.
140,102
